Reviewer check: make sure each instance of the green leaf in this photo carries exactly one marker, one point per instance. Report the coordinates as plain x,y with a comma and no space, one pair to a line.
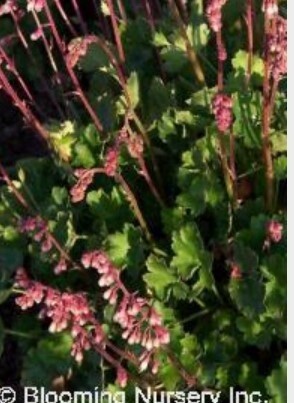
94,59
248,294
159,276
240,61
83,156
170,376
276,383
198,35
49,360
188,248
126,248
110,208
160,40
279,142
280,167
133,87
10,260
158,99
174,60
60,195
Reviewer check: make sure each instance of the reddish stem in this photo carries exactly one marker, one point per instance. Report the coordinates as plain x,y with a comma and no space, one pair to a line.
72,74
266,116
80,17
65,17
220,70
116,32
32,57
249,22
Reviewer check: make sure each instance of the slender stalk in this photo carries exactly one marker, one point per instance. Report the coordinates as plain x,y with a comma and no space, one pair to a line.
225,167
32,57
46,43
249,22
182,7
149,181
72,74
122,11
22,106
192,56
266,116
13,69
132,199
229,174
151,22
220,70
82,23
65,18
135,117
233,167
116,32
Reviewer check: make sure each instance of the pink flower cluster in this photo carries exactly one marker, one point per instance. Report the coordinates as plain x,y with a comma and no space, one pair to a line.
65,311
277,47
35,5
8,7
111,161
78,48
222,108
270,7
214,14
274,231
141,324
85,178
38,229
236,273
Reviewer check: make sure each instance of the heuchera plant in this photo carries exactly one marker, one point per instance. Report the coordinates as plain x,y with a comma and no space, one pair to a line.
150,240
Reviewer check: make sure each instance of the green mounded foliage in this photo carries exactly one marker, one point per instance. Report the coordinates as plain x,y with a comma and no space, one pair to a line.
205,260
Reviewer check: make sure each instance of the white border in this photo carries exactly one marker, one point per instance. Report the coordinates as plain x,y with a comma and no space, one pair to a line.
290,198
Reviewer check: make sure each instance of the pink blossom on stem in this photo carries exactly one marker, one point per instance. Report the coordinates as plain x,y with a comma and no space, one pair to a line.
8,7
78,191
65,310
274,231
36,34
35,5
61,266
140,322
111,162
222,108
122,377
277,48
214,14
236,273
270,7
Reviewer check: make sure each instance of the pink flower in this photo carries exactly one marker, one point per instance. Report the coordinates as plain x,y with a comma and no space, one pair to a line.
274,231
214,14
135,146
277,48
222,109
65,310
61,266
36,35
270,7
35,5
236,273
122,377
78,191
111,162
8,7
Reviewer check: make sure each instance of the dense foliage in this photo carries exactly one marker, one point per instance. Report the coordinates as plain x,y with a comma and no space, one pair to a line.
150,239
